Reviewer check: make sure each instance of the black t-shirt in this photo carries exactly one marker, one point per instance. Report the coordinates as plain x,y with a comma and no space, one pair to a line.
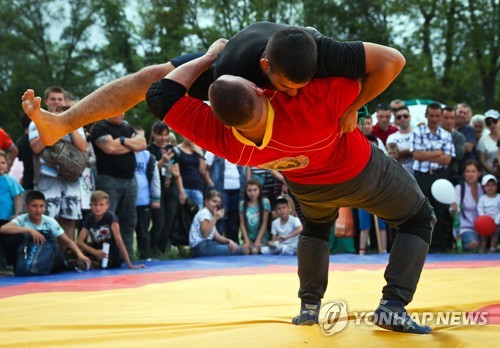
25,155
118,166
242,54
100,231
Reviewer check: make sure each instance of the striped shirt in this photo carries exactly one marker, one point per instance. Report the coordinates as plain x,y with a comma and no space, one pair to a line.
425,140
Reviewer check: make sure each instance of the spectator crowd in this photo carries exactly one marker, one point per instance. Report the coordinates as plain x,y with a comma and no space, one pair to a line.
167,192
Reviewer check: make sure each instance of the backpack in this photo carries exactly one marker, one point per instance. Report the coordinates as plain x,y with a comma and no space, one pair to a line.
36,259
66,158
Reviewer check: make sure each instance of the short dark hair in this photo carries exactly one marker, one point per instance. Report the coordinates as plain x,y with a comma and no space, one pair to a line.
34,195
53,89
404,107
231,102
448,108
24,120
433,106
383,106
293,52
372,138
158,127
212,194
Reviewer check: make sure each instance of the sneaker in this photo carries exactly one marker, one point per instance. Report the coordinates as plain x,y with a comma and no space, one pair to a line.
308,314
392,315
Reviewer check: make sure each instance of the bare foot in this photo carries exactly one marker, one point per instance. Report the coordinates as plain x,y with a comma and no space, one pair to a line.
50,126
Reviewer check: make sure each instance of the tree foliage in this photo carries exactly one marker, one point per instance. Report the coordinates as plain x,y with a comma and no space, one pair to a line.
451,46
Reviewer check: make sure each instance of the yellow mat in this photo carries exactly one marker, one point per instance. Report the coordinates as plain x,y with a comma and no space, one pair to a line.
243,311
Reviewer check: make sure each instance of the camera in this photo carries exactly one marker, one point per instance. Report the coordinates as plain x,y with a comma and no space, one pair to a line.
169,147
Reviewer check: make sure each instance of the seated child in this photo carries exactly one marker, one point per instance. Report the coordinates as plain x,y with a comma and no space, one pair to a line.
39,227
204,239
103,227
489,204
285,230
254,217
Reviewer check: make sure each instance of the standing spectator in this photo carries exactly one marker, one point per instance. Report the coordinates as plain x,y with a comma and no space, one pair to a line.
396,104
464,111
192,168
62,197
147,176
467,196
114,144
403,137
477,122
463,115
172,188
489,204
365,125
10,201
254,218
7,145
448,124
25,154
487,148
433,150
229,179
383,128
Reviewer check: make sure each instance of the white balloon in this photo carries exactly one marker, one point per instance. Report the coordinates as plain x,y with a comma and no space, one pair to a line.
443,191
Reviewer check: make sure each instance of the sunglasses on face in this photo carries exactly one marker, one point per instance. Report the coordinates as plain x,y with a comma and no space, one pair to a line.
405,116
490,121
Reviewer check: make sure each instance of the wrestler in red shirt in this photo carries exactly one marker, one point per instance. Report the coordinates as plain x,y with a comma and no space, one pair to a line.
325,170
307,149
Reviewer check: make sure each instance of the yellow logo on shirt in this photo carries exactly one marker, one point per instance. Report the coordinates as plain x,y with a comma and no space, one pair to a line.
287,163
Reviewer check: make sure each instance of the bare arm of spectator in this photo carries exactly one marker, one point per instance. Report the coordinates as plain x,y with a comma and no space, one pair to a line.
469,147
177,175
11,155
79,141
115,229
12,228
484,162
110,146
82,259
37,145
429,156
136,144
442,159
81,243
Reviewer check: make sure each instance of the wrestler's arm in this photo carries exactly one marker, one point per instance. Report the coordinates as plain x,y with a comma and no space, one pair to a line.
383,64
163,94
375,65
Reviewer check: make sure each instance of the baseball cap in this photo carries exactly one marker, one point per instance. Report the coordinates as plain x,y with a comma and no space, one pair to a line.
487,178
491,113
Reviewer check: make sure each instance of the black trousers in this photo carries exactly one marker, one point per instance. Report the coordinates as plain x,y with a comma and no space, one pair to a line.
384,188
442,235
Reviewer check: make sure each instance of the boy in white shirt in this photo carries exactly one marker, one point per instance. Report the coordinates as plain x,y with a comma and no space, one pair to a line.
285,230
489,204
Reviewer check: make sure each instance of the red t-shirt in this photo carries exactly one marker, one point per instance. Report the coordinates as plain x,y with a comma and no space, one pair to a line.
5,141
383,135
302,137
